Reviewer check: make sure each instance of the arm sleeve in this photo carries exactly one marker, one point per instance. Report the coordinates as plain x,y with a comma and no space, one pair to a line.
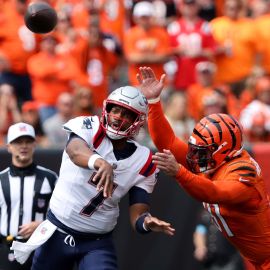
138,195
203,189
157,124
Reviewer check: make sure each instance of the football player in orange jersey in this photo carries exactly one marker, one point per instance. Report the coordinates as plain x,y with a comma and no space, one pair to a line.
215,169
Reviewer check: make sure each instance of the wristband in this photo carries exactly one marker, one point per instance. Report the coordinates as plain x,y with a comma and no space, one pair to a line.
139,225
91,161
154,100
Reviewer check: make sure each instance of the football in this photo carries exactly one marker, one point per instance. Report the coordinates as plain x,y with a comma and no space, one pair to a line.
40,18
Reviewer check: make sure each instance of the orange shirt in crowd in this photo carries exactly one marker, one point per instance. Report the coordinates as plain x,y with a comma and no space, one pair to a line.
240,35
98,64
240,209
17,42
51,76
262,25
139,42
80,17
196,94
75,46
113,18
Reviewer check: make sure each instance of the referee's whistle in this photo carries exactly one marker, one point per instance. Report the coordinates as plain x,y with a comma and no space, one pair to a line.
9,238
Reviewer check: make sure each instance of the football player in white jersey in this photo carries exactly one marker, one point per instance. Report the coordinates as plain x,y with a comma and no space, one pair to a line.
101,164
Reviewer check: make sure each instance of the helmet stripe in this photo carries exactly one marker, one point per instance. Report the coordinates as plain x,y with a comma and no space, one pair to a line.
210,133
231,132
217,125
248,174
242,168
196,132
237,124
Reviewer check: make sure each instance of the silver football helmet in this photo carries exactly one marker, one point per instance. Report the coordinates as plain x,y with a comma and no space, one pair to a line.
128,97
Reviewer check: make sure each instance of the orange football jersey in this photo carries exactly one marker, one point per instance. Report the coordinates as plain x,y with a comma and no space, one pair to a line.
235,194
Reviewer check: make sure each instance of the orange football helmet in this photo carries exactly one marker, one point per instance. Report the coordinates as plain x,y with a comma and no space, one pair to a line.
217,138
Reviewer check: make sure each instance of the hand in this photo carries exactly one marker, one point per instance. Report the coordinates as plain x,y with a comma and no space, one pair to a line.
26,230
166,161
150,86
104,177
157,225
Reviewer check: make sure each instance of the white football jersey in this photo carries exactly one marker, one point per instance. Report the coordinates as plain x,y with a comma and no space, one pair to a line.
76,202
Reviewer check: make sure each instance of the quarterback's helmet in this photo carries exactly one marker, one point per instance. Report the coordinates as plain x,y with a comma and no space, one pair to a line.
217,138
130,98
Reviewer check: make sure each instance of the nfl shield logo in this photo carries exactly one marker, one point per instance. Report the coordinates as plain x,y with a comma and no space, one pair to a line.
41,203
43,230
11,257
22,128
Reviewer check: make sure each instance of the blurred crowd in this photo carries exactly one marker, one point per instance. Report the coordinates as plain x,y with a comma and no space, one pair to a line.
215,53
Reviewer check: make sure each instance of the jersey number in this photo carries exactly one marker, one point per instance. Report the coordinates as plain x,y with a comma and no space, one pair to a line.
218,219
96,201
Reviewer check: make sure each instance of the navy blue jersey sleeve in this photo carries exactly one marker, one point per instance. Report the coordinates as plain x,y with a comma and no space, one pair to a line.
138,195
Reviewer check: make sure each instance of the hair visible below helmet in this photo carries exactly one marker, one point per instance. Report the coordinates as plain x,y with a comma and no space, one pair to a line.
128,97
216,139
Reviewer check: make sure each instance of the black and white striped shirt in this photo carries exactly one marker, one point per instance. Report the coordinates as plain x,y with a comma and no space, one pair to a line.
24,196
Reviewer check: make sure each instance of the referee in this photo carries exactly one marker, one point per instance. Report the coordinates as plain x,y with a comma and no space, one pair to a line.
25,191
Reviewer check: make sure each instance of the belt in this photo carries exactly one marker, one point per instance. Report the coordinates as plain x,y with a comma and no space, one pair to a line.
87,236
9,239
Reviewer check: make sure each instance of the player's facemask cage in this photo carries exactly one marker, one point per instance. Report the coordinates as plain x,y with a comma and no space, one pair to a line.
130,98
119,133
200,157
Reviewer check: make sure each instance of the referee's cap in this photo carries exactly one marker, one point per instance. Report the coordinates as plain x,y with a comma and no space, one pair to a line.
18,130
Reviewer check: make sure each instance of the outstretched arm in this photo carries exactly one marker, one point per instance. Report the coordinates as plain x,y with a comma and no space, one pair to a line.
202,188
159,128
